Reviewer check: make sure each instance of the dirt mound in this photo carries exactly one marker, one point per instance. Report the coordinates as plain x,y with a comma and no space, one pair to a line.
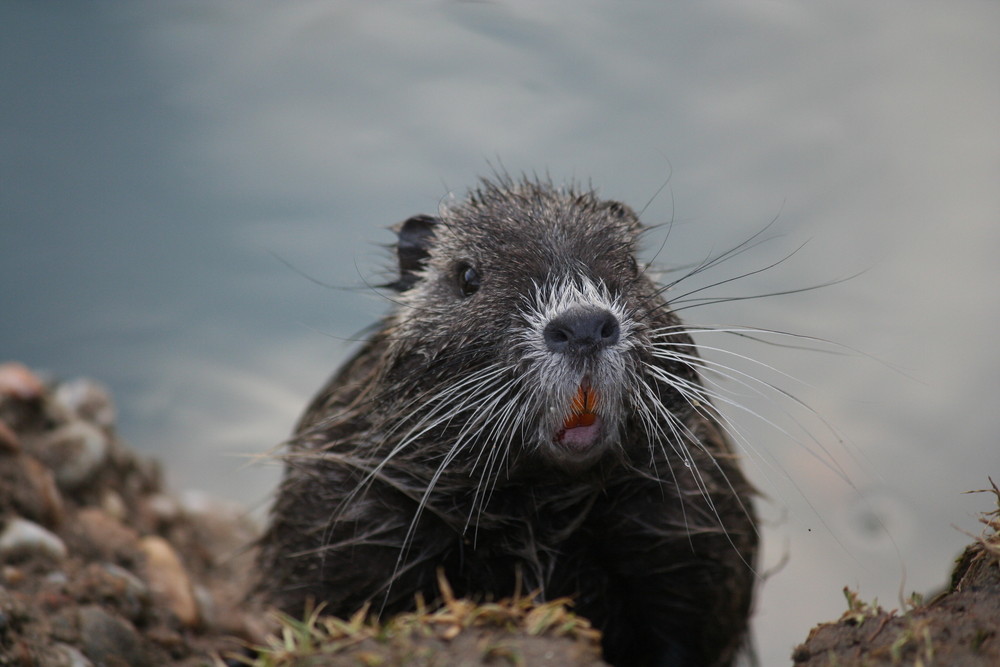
100,565
960,626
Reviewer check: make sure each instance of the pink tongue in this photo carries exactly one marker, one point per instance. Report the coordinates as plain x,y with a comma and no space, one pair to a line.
581,436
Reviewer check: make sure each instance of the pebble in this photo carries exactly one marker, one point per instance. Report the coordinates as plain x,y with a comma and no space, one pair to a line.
130,592
69,656
25,539
196,502
108,640
56,578
112,503
18,381
12,575
130,579
75,452
106,536
169,579
163,508
28,489
87,399
46,502
204,505
9,442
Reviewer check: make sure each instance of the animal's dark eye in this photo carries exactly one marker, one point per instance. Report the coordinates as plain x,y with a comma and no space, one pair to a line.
468,280
633,266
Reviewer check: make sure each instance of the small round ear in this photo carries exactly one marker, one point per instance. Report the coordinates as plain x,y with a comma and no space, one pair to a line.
618,209
414,238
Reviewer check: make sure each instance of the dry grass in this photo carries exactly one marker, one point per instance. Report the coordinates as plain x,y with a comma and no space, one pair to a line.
417,636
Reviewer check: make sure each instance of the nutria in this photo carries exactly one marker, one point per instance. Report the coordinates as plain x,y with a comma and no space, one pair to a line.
528,417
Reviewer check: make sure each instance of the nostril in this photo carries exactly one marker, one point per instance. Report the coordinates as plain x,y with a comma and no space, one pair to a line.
582,331
610,329
556,336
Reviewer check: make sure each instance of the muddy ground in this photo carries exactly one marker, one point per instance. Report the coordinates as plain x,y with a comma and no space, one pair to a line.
100,565
958,626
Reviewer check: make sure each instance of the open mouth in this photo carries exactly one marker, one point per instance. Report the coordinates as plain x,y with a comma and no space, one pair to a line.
582,426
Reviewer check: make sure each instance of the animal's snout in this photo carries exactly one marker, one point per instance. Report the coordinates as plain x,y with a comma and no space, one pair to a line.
582,331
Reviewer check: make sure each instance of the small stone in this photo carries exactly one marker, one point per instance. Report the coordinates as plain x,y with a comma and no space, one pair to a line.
56,578
23,539
194,501
9,442
112,503
169,579
105,537
17,381
75,452
108,640
28,488
49,501
65,625
163,508
11,575
88,400
224,522
130,579
131,592
69,656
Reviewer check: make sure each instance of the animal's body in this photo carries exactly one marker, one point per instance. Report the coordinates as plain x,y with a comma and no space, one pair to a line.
530,415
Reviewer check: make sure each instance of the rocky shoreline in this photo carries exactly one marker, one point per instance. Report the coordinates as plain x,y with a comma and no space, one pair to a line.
101,565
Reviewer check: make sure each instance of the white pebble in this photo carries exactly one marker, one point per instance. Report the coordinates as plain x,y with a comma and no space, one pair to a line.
72,655
87,399
80,449
22,538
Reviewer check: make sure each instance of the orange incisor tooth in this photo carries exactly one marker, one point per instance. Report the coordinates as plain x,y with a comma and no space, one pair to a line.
584,405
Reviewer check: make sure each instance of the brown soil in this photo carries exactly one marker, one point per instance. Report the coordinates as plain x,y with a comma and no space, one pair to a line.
99,565
960,626
142,577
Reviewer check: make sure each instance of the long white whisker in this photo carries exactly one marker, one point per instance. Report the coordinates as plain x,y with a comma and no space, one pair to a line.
691,391
480,406
756,385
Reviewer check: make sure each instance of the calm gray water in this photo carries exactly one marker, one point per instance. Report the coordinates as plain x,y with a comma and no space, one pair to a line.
162,165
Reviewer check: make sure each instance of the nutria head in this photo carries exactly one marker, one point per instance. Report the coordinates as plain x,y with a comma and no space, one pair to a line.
525,320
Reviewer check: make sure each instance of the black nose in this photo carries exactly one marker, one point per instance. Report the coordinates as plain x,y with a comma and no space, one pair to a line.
582,331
